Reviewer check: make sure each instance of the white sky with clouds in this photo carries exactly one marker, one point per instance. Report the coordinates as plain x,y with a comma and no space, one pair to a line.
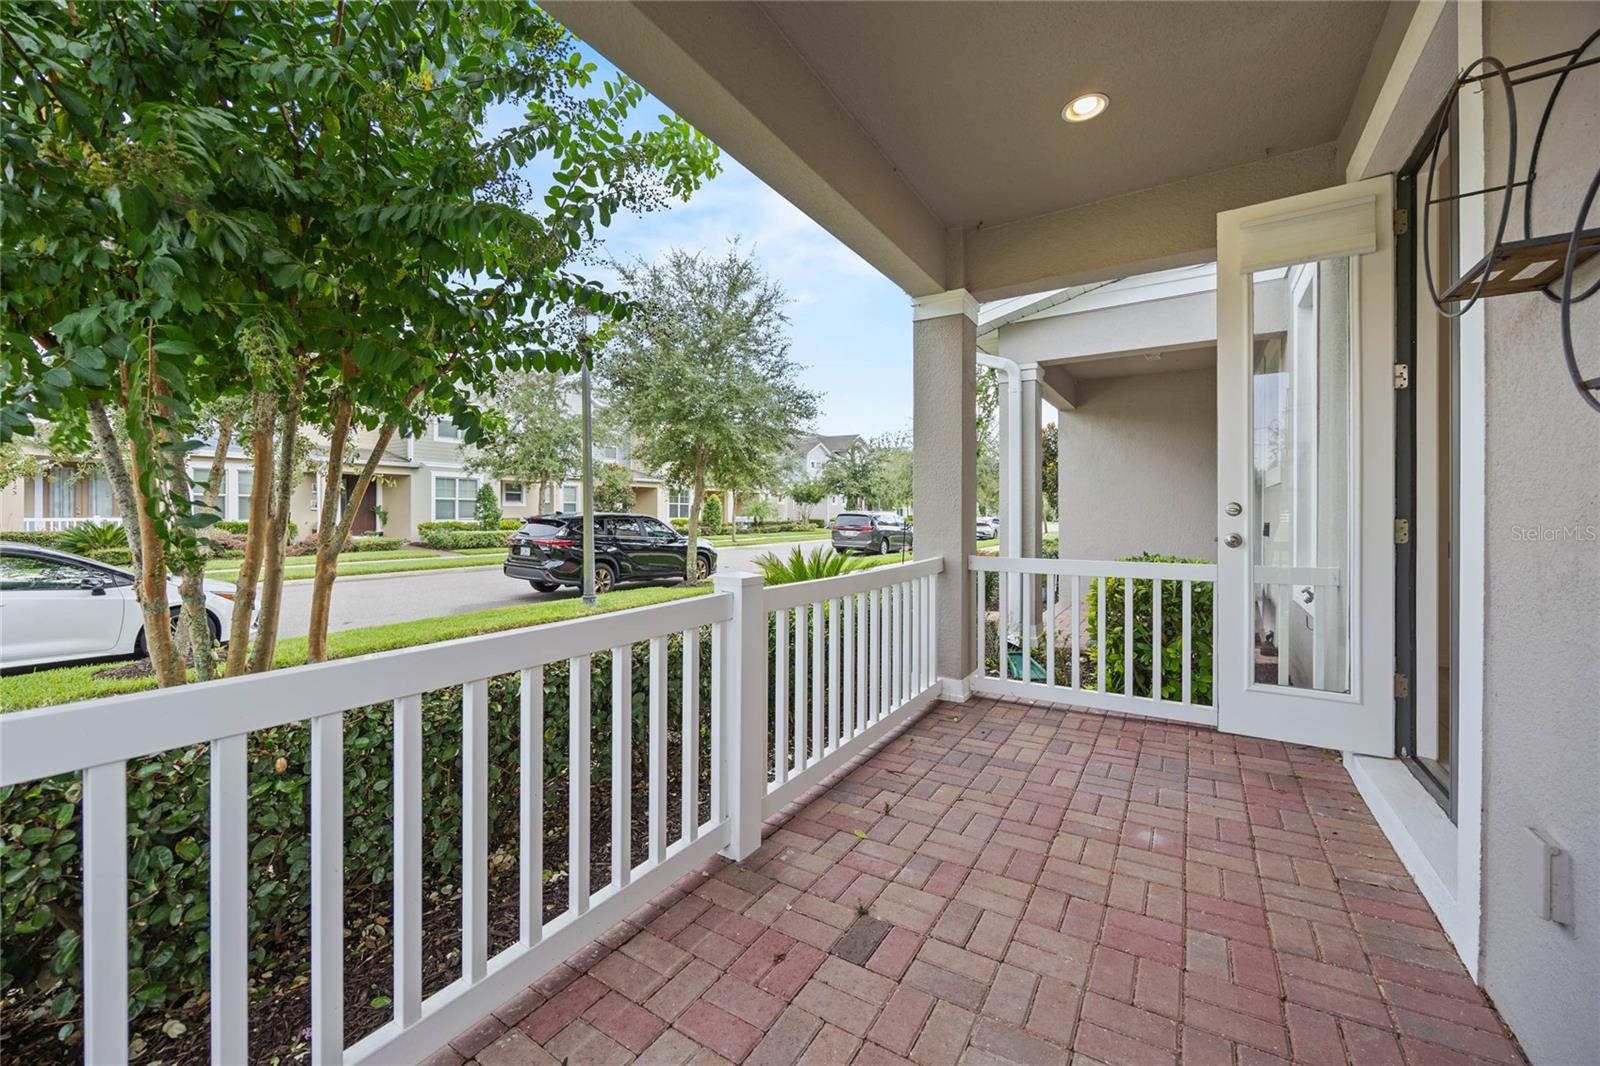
850,328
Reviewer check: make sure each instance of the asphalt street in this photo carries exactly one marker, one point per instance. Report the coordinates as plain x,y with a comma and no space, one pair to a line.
371,601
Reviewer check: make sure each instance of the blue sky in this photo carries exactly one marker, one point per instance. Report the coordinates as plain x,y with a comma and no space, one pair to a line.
850,327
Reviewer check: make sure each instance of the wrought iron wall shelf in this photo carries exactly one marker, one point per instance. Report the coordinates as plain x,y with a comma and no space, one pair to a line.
1532,263
1543,264
1523,266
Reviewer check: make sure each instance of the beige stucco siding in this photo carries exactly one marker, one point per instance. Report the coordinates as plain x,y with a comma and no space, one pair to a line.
1138,467
1542,634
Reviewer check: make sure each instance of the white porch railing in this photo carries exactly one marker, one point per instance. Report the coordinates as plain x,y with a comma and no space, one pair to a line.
871,667
54,525
870,664
1042,633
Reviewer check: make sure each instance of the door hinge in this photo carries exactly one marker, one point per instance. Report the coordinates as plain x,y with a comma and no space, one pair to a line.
1402,375
1402,686
1402,221
1402,531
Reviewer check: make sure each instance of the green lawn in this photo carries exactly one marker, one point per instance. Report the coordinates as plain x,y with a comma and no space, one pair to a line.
723,540
46,687
376,563
232,565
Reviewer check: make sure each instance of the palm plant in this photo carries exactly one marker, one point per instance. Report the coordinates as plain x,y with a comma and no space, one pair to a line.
801,565
92,537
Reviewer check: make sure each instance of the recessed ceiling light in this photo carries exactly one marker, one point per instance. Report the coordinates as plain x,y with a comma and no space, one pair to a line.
1085,107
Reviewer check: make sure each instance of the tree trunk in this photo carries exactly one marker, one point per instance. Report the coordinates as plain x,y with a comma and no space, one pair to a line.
327,556
194,626
105,442
696,503
152,592
266,645
264,413
331,534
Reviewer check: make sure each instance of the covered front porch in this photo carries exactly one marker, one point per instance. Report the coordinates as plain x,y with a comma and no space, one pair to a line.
1011,881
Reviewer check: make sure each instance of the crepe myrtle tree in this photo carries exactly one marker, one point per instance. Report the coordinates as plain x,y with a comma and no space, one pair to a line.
701,373
297,204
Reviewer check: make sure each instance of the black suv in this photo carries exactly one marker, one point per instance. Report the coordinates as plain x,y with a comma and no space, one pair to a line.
873,532
547,552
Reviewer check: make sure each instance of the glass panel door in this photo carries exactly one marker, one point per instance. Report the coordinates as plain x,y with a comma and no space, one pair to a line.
1301,433
1305,475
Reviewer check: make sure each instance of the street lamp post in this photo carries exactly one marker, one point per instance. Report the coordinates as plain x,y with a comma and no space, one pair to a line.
588,471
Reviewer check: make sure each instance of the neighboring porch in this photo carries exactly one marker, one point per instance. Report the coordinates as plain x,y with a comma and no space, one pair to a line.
1046,883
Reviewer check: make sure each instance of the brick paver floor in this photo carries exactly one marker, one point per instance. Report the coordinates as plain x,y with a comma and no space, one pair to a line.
1014,883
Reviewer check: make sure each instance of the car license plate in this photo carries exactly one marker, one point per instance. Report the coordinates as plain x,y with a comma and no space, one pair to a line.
525,550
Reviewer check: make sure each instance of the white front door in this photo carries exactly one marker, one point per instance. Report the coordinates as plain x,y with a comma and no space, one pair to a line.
1305,469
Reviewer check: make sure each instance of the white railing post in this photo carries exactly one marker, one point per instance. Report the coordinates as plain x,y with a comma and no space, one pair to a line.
744,709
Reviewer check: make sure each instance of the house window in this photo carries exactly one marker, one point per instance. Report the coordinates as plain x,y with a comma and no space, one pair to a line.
511,493
100,496
678,503
445,429
241,495
455,498
569,499
63,495
613,453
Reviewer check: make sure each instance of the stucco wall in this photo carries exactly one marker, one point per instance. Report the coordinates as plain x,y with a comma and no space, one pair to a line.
1139,467
1542,636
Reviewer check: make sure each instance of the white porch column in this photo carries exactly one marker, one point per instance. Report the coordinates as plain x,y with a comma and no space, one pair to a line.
1031,505
944,342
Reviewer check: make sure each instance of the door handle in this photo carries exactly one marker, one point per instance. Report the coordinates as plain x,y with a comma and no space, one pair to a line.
1233,540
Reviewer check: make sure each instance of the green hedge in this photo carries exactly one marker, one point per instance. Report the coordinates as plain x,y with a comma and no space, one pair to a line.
113,556
44,538
425,528
168,857
451,539
227,526
373,544
1200,628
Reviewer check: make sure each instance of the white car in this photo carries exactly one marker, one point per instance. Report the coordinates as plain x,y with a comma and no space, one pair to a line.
56,607
988,528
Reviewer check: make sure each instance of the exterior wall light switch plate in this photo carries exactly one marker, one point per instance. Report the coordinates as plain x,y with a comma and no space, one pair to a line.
1551,886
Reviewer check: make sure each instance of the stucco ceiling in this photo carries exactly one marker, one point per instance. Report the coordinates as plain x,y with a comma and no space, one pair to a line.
964,99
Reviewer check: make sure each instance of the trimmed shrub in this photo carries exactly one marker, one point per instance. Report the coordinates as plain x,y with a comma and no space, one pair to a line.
453,539
424,528
373,543
226,526
680,524
1143,645
112,556
488,507
510,523
711,514
43,538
